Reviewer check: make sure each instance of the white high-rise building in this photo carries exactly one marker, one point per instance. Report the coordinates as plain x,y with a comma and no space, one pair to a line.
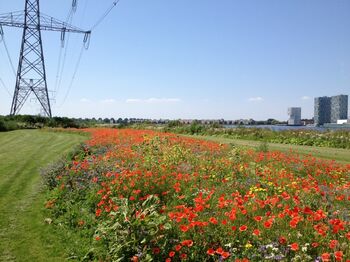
294,116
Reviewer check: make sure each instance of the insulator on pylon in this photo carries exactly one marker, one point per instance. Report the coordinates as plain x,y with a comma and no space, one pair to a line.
86,40
63,35
74,5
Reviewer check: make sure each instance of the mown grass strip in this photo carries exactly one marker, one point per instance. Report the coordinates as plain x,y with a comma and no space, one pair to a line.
24,236
337,154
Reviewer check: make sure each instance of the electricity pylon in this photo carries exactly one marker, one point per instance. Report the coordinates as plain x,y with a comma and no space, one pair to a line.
31,73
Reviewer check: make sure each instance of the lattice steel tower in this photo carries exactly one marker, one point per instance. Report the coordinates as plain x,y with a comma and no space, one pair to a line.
31,73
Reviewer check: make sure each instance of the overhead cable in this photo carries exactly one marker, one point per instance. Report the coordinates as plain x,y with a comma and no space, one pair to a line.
9,56
104,15
61,64
74,74
4,86
84,13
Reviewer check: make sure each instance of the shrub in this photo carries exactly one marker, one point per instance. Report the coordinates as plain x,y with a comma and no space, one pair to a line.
2,126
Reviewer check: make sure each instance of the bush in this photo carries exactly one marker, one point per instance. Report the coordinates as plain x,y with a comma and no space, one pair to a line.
2,126
11,125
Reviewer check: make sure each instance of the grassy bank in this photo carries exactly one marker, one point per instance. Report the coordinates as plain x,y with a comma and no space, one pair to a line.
24,235
337,154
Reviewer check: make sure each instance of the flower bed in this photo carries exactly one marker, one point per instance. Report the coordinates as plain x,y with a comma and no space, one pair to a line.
147,196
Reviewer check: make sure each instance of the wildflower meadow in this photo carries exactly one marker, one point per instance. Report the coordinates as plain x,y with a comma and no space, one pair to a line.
141,195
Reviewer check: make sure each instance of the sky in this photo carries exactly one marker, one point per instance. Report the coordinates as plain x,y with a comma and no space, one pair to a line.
189,59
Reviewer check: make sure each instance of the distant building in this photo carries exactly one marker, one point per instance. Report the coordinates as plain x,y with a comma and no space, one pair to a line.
306,122
343,121
339,108
330,109
294,116
322,110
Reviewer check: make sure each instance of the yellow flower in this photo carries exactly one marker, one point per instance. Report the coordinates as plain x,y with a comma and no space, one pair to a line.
248,245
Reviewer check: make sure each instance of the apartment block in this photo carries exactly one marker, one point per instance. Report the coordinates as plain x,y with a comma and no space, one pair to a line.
294,116
330,109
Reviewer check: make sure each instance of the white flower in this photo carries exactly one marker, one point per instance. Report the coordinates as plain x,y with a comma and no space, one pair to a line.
275,249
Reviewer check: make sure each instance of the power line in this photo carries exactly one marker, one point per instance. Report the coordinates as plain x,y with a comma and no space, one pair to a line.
104,15
74,74
4,86
8,56
63,63
83,47
58,70
65,43
2,39
84,12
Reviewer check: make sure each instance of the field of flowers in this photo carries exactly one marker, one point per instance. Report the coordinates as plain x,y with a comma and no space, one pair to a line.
304,137
137,195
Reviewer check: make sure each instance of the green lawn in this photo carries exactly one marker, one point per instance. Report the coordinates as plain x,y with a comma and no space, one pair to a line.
24,235
340,155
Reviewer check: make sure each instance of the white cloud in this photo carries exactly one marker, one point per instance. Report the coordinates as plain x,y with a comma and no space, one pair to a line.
153,100
84,100
133,100
108,101
305,98
256,99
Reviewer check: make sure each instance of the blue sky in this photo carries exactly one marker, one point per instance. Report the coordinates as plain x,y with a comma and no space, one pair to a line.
193,59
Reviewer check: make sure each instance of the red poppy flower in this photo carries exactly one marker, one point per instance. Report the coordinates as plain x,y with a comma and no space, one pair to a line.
219,251
225,255
347,235
243,228
184,228
258,218
256,232
333,243
267,224
98,212
210,251
282,240
338,255
315,244
183,256
294,246
213,220
326,257
188,243
156,250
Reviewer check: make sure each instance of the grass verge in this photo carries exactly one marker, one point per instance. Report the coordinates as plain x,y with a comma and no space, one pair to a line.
337,154
24,236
